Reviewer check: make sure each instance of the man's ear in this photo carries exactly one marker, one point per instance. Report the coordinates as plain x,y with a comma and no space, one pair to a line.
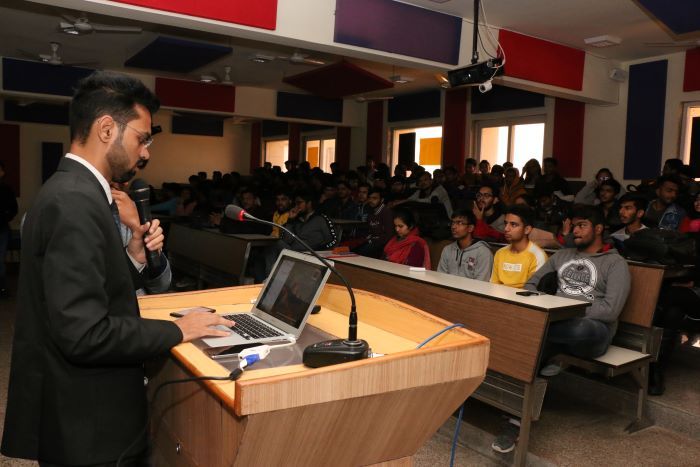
640,213
599,228
527,229
105,128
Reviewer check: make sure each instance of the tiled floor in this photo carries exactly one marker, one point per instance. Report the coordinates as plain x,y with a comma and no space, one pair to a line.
569,433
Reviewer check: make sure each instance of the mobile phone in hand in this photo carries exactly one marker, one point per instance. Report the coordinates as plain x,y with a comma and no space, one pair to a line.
185,311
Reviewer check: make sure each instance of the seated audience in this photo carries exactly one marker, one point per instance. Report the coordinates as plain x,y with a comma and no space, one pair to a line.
679,307
470,178
592,273
588,194
663,212
484,171
516,262
398,190
513,187
466,256
607,200
186,202
283,203
249,202
589,273
553,179
363,208
407,247
340,206
452,183
532,172
631,213
428,192
313,228
489,214
381,227
550,210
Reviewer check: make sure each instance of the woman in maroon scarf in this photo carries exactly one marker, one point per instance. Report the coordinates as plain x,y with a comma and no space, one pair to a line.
407,247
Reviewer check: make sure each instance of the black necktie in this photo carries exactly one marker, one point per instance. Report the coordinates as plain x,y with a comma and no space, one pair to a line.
115,215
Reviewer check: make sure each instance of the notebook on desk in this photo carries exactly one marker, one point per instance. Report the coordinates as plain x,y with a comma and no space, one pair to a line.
283,305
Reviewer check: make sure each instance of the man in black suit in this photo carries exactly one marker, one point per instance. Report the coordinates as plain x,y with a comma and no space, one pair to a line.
76,393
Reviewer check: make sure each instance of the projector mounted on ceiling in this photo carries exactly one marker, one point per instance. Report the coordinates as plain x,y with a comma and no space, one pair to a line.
474,75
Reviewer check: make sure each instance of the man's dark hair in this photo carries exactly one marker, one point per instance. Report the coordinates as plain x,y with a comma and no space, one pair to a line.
364,185
493,189
376,190
342,182
612,183
308,197
283,192
674,164
107,93
669,178
247,189
466,213
589,213
640,203
406,215
526,214
551,160
470,161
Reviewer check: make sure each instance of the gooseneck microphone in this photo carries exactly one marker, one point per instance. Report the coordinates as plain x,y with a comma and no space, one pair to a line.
141,195
328,352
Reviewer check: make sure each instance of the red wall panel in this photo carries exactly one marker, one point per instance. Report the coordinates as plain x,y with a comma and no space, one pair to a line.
691,76
542,61
567,147
9,155
255,146
257,13
194,95
342,147
375,131
454,128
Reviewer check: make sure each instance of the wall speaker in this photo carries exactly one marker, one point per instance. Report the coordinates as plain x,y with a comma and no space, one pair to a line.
618,74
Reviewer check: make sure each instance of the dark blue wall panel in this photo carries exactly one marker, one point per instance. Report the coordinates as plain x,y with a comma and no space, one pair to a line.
502,98
309,107
42,78
646,105
417,106
272,128
680,16
37,112
399,28
178,55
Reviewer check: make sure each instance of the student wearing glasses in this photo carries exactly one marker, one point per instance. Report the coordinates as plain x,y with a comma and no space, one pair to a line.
489,214
466,256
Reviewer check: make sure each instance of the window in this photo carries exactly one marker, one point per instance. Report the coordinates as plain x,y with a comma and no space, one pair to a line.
515,141
421,145
320,153
277,152
690,140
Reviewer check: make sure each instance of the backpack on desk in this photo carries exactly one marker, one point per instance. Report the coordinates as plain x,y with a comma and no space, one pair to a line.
660,246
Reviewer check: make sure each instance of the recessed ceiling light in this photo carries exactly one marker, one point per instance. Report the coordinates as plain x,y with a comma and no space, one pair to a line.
603,41
398,79
207,79
261,58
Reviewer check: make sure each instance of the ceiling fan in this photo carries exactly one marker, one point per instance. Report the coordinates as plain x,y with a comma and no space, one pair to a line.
373,99
81,26
692,43
214,77
301,59
53,58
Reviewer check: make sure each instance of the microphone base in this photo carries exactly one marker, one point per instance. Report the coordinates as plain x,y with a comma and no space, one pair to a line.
335,351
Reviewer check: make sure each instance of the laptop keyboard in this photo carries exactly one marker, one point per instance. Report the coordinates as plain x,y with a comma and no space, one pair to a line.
250,328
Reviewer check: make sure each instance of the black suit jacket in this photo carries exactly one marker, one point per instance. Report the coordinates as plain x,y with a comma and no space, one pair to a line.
76,393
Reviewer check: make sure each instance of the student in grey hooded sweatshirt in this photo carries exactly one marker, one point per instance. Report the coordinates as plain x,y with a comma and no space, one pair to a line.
465,256
592,272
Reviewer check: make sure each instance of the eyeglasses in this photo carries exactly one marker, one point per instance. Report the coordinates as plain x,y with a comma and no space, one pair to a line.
145,139
484,195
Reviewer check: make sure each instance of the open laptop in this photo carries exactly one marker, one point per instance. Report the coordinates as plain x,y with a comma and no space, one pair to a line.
284,303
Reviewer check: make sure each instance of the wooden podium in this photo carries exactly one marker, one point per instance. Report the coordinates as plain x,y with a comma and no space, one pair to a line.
375,411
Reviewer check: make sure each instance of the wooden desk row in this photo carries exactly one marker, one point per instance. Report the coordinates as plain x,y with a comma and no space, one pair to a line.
213,257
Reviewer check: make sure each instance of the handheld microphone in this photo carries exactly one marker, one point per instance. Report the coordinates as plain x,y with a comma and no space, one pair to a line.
327,352
141,195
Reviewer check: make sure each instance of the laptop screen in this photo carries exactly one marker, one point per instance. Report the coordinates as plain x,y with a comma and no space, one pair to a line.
291,289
